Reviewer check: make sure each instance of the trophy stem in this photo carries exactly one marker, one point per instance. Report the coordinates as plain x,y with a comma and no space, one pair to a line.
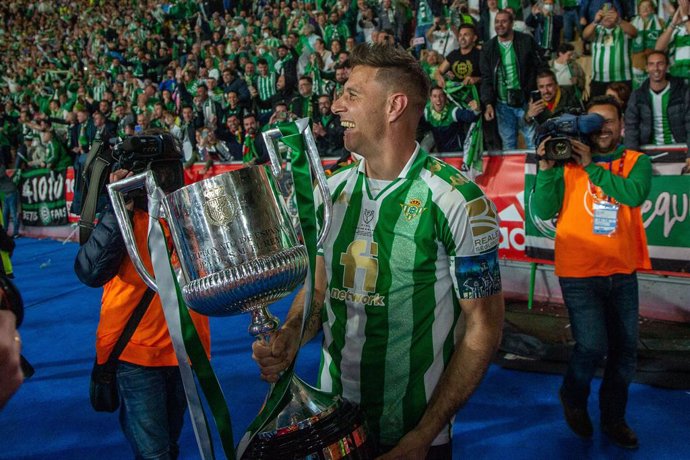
263,323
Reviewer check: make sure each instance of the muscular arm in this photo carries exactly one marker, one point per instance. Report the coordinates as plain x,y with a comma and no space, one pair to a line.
468,364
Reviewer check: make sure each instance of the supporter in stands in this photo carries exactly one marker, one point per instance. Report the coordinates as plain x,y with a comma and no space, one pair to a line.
659,111
487,29
675,39
649,26
553,101
567,70
600,243
620,92
327,130
448,122
510,62
547,24
611,38
306,104
461,65
442,37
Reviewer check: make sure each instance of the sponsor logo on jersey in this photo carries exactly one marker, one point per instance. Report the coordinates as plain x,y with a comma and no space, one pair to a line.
412,208
483,224
375,300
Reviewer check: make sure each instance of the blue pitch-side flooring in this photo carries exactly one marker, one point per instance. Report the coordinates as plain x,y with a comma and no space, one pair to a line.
513,415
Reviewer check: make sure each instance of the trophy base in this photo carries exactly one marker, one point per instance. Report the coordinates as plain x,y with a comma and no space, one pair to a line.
313,425
248,286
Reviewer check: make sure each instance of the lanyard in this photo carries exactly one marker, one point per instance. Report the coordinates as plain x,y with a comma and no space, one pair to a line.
594,190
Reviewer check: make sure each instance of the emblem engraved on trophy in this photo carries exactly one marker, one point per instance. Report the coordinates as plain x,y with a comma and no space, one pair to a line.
238,253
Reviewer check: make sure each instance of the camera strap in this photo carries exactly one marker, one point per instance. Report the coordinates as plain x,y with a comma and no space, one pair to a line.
96,168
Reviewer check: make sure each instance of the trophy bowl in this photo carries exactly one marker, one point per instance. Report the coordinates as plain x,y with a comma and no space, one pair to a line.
237,247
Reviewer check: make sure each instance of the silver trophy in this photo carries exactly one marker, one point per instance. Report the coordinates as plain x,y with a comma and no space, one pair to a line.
238,253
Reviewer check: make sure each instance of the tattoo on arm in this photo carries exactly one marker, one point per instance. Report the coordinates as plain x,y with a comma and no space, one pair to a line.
314,321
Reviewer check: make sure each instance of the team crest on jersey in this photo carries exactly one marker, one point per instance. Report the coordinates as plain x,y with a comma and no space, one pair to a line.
368,215
483,223
412,208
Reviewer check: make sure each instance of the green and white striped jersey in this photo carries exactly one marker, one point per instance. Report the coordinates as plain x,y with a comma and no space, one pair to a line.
611,55
660,124
397,262
508,77
679,51
647,32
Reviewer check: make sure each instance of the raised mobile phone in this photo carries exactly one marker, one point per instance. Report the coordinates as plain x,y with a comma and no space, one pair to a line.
535,95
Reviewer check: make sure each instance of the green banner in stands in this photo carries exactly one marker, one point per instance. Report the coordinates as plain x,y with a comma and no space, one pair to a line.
43,197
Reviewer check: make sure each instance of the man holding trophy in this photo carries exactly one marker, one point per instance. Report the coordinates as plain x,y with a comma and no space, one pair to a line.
413,244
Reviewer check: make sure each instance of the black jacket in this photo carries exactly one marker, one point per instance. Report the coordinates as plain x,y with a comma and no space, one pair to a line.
99,259
639,122
527,52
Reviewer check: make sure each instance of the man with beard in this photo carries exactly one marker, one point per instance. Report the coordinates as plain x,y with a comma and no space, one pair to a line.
658,112
553,101
463,62
600,244
327,130
509,62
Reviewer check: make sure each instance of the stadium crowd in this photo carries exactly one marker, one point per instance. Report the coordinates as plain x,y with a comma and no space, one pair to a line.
215,73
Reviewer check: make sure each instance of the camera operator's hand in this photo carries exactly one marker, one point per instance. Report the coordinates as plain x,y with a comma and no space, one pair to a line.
582,153
535,108
541,151
118,175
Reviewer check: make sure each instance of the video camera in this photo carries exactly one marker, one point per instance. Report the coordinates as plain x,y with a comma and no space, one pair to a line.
564,128
158,152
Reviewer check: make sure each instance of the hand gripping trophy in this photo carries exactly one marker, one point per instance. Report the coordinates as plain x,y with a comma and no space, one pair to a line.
238,252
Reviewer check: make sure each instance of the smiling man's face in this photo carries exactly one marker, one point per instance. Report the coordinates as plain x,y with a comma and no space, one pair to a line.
606,140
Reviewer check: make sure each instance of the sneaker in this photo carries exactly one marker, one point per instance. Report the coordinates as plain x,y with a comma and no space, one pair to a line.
577,418
620,434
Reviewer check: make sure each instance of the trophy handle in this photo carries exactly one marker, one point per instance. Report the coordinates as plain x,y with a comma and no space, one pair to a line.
116,192
271,138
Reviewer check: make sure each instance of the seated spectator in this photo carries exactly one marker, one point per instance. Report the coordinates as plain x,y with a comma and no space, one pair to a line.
448,123
553,101
658,112
327,130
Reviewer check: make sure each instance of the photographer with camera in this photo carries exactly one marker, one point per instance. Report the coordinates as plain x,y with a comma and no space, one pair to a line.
550,100
600,243
442,38
151,394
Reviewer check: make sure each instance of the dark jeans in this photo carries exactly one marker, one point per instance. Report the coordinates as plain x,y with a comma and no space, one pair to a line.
152,409
604,321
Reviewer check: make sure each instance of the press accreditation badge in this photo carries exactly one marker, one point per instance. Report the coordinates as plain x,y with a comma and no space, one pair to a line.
605,218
